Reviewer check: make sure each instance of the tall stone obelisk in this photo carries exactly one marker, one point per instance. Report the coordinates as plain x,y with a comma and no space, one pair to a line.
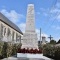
30,36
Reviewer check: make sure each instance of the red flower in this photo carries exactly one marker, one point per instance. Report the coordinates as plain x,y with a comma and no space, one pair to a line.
29,51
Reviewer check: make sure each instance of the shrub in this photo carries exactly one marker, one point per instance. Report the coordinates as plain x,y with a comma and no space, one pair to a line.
52,52
9,49
4,50
14,49
57,53
1,46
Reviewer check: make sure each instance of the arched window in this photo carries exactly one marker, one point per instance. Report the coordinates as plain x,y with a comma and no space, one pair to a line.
2,30
13,35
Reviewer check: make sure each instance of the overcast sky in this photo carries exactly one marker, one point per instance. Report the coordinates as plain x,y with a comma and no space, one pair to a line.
47,15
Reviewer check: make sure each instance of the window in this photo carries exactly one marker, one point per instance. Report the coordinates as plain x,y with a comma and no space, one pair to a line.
2,30
16,37
13,35
8,32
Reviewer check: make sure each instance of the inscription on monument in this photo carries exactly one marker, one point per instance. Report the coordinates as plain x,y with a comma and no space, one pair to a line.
30,36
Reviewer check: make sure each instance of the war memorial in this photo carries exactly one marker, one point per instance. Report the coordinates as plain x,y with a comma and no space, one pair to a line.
30,35
29,48
15,47
29,30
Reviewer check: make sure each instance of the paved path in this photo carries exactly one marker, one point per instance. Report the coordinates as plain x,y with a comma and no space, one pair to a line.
13,58
22,58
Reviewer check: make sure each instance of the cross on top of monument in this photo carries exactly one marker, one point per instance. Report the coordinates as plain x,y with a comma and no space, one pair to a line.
50,37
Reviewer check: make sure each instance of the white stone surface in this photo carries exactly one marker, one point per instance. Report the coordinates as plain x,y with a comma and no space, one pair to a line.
34,56
30,36
10,58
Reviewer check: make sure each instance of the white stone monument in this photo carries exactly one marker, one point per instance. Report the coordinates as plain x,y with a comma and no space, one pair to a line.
30,36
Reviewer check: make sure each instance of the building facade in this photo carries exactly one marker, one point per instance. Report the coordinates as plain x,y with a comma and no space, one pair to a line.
43,40
9,32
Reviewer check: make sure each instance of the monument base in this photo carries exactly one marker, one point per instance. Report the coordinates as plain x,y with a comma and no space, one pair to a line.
27,55
30,40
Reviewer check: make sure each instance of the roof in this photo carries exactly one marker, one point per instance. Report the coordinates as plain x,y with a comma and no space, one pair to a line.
11,24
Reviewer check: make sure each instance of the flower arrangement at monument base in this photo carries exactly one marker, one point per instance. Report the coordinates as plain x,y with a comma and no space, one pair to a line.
31,51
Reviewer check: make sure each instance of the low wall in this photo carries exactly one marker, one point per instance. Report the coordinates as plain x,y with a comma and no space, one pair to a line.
27,55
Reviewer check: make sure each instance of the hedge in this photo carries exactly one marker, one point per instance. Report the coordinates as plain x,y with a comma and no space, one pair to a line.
52,52
8,49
